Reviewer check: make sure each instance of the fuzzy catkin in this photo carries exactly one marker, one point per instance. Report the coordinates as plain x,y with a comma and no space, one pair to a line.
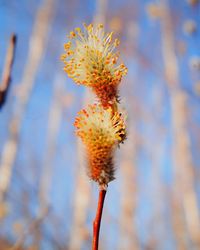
90,60
101,132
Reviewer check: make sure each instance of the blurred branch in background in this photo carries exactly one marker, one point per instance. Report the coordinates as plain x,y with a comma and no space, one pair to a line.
37,46
128,191
79,233
55,116
128,196
6,78
185,205
100,15
29,231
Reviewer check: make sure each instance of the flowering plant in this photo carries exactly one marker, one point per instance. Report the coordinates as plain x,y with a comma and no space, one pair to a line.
90,59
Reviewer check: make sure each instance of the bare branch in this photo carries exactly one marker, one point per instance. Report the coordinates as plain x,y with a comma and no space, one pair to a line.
6,78
36,51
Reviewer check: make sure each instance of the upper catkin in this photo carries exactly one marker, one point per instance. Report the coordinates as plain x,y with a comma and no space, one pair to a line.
90,59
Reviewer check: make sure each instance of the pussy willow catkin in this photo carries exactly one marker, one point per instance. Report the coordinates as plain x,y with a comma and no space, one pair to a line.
90,59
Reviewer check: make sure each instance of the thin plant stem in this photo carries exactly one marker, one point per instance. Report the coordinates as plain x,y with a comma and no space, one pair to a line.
6,78
97,220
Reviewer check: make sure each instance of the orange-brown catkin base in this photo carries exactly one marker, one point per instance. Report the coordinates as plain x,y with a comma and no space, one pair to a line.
101,169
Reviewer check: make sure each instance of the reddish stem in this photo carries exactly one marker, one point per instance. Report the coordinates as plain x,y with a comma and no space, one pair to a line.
97,220
6,78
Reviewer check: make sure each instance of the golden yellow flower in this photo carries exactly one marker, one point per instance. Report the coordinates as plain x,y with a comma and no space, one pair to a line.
90,59
101,131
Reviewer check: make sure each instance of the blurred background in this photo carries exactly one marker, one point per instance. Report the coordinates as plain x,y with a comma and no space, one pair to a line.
46,200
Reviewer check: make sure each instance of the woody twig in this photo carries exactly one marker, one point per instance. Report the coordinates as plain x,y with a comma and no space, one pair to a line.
6,78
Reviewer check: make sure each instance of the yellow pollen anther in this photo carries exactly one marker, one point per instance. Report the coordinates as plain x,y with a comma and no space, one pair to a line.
72,34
